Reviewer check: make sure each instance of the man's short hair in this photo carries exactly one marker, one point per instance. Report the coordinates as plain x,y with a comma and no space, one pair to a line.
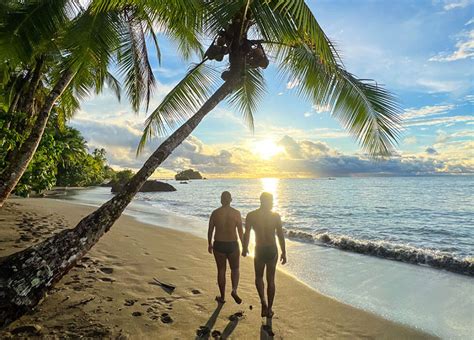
266,197
226,197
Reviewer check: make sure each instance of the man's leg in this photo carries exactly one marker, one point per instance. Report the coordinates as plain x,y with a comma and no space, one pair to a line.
271,268
259,268
234,261
221,260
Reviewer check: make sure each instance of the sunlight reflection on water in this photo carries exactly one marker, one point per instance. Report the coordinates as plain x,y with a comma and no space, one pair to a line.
271,185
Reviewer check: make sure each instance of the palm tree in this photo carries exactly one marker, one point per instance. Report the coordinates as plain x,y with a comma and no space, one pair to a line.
245,35
67,51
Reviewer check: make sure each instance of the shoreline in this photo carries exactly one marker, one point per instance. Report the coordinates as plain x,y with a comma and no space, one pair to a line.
120,270
393,290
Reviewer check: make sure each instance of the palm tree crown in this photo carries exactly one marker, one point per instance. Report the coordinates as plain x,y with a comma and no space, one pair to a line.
286,33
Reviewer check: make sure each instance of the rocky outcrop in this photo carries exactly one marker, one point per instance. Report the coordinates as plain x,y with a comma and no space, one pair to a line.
187,175
149,186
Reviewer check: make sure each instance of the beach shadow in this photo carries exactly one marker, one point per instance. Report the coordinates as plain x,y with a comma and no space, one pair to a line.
204,332
167,287
266,330
234,321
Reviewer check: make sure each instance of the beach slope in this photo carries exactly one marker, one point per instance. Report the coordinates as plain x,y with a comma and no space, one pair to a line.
112,293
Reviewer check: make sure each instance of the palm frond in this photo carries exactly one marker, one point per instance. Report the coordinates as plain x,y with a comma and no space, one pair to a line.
92,39
181,102
134,64
68,105
249,93
367,110
291,22
114,85
27,27
218,14
180,20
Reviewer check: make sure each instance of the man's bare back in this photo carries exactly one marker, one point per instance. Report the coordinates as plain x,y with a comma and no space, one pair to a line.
226,220
265,224
224,224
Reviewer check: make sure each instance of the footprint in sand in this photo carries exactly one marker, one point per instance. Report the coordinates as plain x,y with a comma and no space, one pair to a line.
106,270
137,313
171,268
166,318
107,279
130,302
195,291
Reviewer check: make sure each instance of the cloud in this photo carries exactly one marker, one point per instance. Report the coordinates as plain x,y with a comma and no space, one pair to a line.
292,83
321,108
424,111
410,140
464,49
300,158
455,4
444,85
431,151
439,121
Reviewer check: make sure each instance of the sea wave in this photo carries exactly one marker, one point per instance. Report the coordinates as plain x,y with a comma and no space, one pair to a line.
387,250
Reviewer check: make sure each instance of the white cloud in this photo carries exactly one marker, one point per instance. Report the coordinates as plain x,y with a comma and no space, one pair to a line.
292,83
469,22
410,140
439,121
464,49
432,110
454,4
437,86
321,108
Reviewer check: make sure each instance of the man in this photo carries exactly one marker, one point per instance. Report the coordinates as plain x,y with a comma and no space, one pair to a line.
265,223
226,222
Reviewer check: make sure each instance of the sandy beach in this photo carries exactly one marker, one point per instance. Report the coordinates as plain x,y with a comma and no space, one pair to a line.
111,293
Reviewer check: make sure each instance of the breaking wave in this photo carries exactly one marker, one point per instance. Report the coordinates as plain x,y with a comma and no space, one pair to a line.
387,250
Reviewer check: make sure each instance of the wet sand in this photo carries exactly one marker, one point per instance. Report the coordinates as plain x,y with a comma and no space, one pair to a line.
112,293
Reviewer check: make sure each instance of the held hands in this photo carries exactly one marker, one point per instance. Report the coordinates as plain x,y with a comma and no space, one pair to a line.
283,258
245,251
209,248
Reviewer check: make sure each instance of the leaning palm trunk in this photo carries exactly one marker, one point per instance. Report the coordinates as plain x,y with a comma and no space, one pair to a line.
25,277
15,169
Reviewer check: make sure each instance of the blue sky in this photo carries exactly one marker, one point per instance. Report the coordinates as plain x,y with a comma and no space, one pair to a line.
421,50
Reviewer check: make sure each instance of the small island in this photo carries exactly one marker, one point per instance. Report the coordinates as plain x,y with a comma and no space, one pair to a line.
187,175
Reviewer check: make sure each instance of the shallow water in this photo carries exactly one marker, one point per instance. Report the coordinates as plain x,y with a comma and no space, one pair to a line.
429,215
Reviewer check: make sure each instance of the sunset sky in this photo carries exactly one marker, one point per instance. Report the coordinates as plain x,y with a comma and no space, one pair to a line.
422,51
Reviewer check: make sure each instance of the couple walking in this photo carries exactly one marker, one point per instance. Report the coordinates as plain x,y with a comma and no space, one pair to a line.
225,223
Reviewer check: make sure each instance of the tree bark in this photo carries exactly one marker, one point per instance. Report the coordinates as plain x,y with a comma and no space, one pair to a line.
13,172
29,100
26,276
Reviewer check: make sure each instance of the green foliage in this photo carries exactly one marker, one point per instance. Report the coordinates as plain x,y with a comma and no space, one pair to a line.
289,33
41,172
61,158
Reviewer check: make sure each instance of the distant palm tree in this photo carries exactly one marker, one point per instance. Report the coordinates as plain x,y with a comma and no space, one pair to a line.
245,35
58,51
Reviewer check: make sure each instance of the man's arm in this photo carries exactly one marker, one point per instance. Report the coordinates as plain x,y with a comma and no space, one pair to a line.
210,231
240,231
245,243
281,239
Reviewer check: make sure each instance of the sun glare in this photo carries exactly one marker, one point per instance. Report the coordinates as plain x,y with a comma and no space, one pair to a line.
271,185
267,148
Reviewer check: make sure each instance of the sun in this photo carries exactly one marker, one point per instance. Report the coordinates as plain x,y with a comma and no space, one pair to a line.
266,149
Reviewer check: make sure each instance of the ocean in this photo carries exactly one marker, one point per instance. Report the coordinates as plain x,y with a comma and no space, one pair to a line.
400,247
